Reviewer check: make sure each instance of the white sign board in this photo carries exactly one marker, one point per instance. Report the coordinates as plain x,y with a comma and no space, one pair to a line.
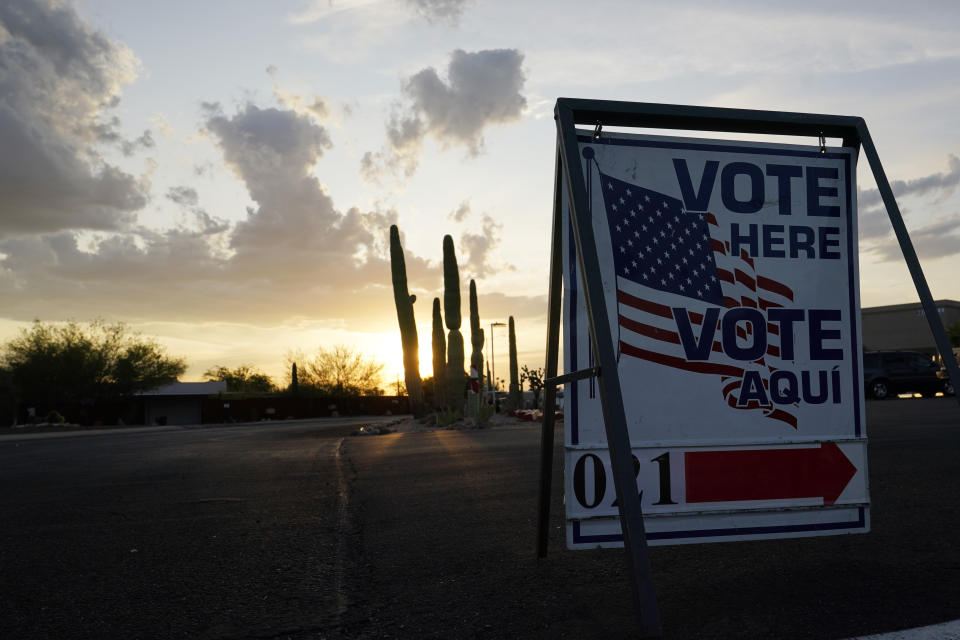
730,279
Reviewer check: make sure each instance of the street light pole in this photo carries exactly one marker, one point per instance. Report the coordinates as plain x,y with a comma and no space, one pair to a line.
493,362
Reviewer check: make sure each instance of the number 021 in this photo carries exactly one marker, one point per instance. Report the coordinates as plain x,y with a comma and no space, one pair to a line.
599,476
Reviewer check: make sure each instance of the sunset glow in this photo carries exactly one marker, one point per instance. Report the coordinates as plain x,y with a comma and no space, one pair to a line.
231,194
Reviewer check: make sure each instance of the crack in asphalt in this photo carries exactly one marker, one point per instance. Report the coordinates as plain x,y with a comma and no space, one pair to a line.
343,516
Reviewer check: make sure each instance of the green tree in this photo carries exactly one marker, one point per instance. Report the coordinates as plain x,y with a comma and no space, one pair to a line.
50,365
244,378
534,378
953,333
338,370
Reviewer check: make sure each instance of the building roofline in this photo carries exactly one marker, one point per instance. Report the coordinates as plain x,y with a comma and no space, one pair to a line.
910,306
211,388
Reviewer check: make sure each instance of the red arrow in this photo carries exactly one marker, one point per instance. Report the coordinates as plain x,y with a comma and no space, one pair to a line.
767,474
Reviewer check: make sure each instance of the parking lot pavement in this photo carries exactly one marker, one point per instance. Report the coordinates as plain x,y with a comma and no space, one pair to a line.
945,631
70,431
445,528
274,530
227,532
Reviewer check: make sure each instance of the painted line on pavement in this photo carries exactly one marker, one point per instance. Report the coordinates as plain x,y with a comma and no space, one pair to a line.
343,514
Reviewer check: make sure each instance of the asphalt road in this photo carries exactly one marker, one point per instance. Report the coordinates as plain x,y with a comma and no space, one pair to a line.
298,531
453,513
227,532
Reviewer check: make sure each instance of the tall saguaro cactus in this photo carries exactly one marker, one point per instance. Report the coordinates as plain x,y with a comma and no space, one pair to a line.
476,333
439,358
516,395
408,324
451,313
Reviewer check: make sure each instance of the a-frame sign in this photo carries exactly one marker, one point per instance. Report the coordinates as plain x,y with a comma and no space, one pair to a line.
720,370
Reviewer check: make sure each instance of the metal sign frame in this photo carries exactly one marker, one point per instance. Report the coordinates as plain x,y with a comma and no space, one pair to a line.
569,113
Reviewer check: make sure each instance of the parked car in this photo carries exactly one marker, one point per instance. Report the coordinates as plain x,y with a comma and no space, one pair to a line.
945,377
888,373
948,389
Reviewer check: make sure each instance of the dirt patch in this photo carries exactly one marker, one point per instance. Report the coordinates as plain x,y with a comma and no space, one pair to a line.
429,423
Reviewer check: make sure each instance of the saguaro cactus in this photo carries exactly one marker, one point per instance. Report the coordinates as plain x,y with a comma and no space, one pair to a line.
439,358
516,395
451,313
408,323
476,335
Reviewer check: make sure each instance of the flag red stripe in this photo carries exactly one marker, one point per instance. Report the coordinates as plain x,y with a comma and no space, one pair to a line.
651,332
645,305
745,279
775,287
766,304
674,338
657,333
783,416
725,275
679,363
653,308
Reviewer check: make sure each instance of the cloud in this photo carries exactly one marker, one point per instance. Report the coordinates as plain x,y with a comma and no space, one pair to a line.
213,229
371,166
873,219
106,133
58,81
933,241
318,10
266,143
294,255
274,151
314,105
944,182
446,12
185,196
461,212
500,305
839,39
936,240
477,248
481,89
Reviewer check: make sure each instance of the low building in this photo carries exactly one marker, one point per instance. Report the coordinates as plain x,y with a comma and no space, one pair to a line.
904,326
179,403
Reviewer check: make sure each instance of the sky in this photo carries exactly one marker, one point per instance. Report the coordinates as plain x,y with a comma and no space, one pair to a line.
222,175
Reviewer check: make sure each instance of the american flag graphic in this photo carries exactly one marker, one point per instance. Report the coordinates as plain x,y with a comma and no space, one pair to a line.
667,257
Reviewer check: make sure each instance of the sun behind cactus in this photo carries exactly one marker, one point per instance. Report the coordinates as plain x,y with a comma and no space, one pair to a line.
408,323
